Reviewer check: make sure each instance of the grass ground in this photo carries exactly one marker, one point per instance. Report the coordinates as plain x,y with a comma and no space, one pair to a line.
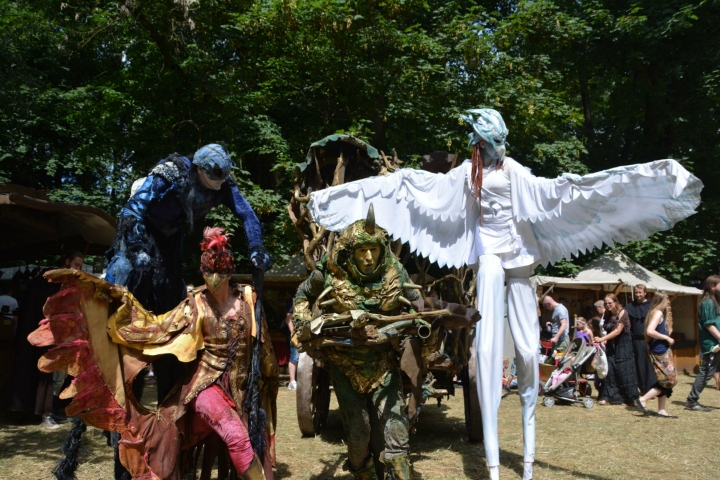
606,442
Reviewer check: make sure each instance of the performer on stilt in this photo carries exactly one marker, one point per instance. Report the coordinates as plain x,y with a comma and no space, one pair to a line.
146,255
493,213
213,331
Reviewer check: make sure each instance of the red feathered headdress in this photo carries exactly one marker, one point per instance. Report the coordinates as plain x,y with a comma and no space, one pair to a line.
216,257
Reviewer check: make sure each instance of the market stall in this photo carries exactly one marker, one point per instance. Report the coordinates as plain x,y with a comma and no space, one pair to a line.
616,273
34,227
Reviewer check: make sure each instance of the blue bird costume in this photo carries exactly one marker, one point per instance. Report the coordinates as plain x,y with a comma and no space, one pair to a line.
146,253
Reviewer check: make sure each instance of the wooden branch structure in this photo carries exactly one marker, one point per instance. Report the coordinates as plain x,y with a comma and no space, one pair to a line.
337,162
345,159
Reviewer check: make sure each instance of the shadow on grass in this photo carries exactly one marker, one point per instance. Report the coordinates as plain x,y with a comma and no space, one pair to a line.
681,403
282,470
331,433
329,468
31,442
436,431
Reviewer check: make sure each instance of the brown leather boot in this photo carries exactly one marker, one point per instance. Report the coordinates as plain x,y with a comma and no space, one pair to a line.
399,466
255,471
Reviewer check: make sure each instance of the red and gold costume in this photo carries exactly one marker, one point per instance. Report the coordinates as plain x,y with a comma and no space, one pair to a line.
104,337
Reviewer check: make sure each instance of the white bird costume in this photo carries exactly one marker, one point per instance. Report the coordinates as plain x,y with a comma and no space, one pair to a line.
516,223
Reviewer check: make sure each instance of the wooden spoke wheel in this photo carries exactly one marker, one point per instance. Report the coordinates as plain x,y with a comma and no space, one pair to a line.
313,396
473,418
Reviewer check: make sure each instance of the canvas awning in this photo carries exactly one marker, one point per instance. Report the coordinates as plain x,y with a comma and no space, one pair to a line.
611,271
366,148
34,225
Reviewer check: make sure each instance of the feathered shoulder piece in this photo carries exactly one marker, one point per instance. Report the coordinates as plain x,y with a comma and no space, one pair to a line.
215,239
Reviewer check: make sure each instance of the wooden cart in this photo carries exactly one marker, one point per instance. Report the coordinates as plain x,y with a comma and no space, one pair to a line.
335,160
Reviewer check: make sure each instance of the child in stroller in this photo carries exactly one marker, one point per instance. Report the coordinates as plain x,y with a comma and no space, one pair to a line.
566,383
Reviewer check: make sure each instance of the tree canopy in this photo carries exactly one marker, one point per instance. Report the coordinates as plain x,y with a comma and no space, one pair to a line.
94,93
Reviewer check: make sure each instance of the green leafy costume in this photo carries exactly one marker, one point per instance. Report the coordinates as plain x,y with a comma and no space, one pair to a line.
366,378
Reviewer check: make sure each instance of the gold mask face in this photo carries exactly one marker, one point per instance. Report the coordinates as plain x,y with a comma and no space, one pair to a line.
366,258
215,280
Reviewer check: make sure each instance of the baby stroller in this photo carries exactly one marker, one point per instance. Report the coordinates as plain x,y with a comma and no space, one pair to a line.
565,382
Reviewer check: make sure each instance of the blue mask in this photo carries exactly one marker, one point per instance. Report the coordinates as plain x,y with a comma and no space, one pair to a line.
214,160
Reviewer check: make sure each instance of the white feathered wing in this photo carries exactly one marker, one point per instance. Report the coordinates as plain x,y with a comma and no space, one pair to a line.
435,213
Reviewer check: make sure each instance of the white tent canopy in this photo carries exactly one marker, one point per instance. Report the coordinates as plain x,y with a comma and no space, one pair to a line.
611,270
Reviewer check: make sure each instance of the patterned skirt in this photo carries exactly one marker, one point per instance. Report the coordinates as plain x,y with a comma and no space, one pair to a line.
664,366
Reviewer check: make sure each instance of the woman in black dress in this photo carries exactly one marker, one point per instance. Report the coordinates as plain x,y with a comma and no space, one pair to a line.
620,384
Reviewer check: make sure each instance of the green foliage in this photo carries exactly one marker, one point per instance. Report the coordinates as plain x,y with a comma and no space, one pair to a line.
93,94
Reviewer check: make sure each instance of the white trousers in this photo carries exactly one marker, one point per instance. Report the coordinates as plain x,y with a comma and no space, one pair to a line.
489,341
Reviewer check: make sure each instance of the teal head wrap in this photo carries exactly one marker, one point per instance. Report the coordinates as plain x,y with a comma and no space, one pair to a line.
488,126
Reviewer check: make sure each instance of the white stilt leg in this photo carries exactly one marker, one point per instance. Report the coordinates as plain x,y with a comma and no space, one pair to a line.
489,334
525,328
494,473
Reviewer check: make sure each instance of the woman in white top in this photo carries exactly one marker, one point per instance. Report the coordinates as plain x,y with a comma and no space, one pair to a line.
493,213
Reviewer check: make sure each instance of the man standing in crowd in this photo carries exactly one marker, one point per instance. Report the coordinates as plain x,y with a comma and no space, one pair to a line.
8,307
294,354
560,322
637,311
30,391
8,304
709,328
598,321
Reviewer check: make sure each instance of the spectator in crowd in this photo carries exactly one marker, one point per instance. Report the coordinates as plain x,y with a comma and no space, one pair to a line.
638,310
583,330
620,384
29,390
597,322
8,304
294,355
559,323
508,374
709,328
74,260
9,308
658,327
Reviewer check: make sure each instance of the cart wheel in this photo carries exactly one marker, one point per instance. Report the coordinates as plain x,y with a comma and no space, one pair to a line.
473,416
548,401
313,396
588,402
